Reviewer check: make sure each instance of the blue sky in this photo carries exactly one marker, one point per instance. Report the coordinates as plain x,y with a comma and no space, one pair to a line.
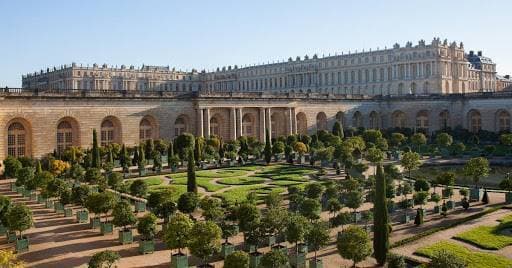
207,34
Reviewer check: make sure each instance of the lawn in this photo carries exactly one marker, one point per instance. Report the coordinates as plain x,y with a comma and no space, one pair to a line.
241,180
488,237
174,190
473,259
285,183
202,182
152,181
239,194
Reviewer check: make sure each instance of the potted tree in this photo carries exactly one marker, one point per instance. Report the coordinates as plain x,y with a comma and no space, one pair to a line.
19,218
354,244
406,203
205,241
65,199
123,217
436,199
277,150
147,229
237,259
476,168
177,235
79,197
228,230
275,222
420,199
93,205
274,258
105,258
296,230
317,237
301,150
506,184
107,203
5,205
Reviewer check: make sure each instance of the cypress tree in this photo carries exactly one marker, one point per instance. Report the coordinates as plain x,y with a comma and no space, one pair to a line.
268,147
198,149
170,153
380,220
150,147
191,173
135,157
39,169
141,160
336,129
123,156
96,162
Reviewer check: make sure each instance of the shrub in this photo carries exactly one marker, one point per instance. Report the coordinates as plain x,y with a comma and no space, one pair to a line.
237,259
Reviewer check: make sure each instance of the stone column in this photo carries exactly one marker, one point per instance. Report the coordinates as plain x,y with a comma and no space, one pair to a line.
294,121
262,124
239,122
232,123
290,121
207,122
200,122
268,120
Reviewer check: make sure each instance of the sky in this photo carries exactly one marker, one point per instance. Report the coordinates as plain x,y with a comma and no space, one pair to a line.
197,34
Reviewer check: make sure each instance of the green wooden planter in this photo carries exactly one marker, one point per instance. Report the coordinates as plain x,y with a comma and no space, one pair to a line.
281,248
140,206
356,217
14,188
22,245
474,194
406,218
11,236
179,261
82,216
142,172
508,198
298,260
58,207
95,223
3,230
437,209
255,259
303,248
270,240
315,263
106,228
146,246
446,193
94,189
41,199
125,237
250,248
33,196
68,212
450,204
49,204
227,249
20,189
27,193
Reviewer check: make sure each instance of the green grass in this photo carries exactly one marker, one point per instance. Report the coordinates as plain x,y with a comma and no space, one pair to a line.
285,183
202,182
240,193
222,173
152,181
246,168
473,259
488,237
174,190
241,180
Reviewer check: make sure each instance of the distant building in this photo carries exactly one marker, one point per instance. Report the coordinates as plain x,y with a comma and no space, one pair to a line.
503,83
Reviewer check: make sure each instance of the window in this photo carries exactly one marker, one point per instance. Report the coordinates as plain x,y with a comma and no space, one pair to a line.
321,121
214,126
422,121
475,121
16,140
248,125
180,126
444,119
357,120
107,132
145,130
64,136
503,121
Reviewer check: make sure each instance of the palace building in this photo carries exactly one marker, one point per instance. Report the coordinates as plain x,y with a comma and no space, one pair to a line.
427,86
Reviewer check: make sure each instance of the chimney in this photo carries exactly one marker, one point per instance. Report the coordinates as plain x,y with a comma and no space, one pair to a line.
480,53
471,53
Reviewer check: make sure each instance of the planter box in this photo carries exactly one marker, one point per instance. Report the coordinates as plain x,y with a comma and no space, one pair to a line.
49,204
125,237
22,245
82,216
391,207
450,204
106,228
446,193
95,223
437,209
356,217
227,249
303,248
270,240
140,206
179,261
94,189
255,259
142,172
146,246
474,194
315,263
11,236
27,193
14,188
33,196
68,212
250,248
508,198
41,199
281,248
3,230
406,218
20,189
298,260
58,207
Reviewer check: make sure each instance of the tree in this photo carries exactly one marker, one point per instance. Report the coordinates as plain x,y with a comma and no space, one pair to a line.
418,139
354,244
354,199
146,226
317,237
421,185
310,208
212,209
124,159
80,194
446,259
506,184
336,129
381,219
139,188
397,139
183,144
296,230
77,172
19,218
410,161
273,199
313,190
237,259
191,174
444,140
123,215
420,198
274,259
96,160
11,166
198,149
115,180
300,148
99,203
103,259
141,159
8,259
476,168
268,147
178,232
374,155
93,175
396,261
206,239
24,175
65,196
248,217
188,202
275,221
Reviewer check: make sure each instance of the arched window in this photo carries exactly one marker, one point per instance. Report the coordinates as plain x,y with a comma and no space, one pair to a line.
180,126
503,121
214,126
374,120
145,130
107,132
302,124
277,124
64,136
444,119
422,121
413,88
399,119
321,121
475,121
426,88
400,89
447,87
357,120
16,140
248,125
340,117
